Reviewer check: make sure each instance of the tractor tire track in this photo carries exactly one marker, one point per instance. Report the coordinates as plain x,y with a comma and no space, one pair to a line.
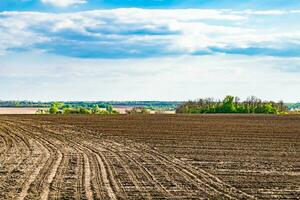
87,157
69,163
36,172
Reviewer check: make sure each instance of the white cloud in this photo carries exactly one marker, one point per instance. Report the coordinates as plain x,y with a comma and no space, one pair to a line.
263,12
64,3
163,43
38,76
133,32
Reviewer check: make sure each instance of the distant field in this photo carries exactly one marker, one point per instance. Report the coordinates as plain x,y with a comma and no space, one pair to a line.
149,157
28,111
21,111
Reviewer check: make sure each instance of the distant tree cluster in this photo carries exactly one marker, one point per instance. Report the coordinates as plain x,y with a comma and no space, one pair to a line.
61,108
232,104
104,104
138,110
25,104
74,106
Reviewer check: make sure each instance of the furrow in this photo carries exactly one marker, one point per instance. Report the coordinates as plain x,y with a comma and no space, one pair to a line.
87,178
25,188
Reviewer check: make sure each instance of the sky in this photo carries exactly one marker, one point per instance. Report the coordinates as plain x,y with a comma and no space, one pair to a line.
62,50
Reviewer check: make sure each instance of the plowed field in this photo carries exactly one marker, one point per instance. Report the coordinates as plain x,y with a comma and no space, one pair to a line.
150,157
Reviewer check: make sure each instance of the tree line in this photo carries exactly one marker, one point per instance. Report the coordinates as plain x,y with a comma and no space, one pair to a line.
61,108
91,104
231,104
24,104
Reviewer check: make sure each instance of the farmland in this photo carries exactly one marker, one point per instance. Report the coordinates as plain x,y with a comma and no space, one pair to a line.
150,157
25,111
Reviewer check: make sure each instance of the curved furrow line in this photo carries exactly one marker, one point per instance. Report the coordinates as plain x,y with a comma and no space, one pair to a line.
67,181
189,178
111,164
13,147
86,163
101,160
139,189
73,160
9,128
45,155
203,177
8,161
123,180
14,166
89,170
106,172
174,181
103,149
209,180
44,192
93,182
97,184
8,145
37,178
206,185
16,129
212,182
41,186
155,170
145,173
136,152
222,186
105,169
57,183
36,185
150,176
156,187
161,190
80,172
3,144
87,157
87,178
151,183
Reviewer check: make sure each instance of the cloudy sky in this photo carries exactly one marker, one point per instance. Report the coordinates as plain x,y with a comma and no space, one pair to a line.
149,50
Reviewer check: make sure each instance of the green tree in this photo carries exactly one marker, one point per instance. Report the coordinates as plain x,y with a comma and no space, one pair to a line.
139,110
103,112
95,109
84,111
68,111
109,109
232,104
228,105
269,109
53,109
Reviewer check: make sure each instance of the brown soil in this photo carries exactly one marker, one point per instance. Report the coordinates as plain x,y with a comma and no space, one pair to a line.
149,157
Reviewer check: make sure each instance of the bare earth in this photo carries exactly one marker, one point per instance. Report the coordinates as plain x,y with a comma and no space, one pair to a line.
24,111
149,157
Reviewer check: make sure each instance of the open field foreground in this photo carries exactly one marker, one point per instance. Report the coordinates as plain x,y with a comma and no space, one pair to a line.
149,157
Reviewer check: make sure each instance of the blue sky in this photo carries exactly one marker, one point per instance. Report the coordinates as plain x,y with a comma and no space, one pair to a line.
149,50
37,5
